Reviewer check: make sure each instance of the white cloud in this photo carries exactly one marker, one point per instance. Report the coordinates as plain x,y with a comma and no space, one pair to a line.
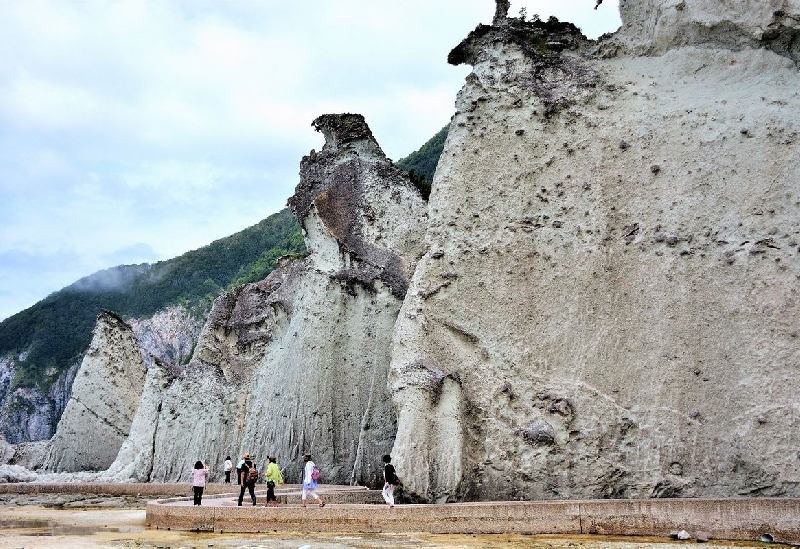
136,130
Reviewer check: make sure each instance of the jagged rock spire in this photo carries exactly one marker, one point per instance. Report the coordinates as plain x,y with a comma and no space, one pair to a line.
341,187
501,11
348,130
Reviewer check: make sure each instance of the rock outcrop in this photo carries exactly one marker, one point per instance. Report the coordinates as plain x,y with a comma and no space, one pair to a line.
30,413
601,299
169,336
33,413
656,26
609,303
105,396
134,461
298,362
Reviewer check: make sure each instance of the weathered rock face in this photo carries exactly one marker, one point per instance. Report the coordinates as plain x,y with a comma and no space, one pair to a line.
30,414
298,362
164,342
134,462
168,336
656,26
609,304
105,396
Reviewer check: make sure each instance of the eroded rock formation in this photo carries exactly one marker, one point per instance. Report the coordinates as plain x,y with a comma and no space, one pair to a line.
28,413
104,398
298,362
169,336
656,26
609,304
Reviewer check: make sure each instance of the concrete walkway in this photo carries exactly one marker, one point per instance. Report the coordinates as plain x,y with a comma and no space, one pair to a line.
354,509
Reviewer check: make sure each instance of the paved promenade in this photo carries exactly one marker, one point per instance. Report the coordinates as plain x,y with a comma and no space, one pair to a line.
356,509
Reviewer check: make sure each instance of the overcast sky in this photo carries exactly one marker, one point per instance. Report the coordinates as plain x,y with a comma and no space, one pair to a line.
135,131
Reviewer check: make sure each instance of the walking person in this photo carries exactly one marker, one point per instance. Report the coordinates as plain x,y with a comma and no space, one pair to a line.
310,477
199,474
274,477
390,480
247,478
228,467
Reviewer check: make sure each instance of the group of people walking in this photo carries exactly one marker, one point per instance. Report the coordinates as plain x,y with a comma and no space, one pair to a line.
247,476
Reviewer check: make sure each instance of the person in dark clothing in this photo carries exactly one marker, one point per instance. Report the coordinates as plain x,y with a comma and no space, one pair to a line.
390,480
239,467
247,482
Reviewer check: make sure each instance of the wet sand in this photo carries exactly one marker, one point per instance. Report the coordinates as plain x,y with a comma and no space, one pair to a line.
40,527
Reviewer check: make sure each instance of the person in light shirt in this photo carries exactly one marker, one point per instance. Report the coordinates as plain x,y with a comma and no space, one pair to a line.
310,483
199,474
228,467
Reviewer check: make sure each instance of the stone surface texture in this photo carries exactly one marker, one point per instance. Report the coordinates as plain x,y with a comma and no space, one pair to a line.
31,414
134,461
609,304
104,399
599,301
298,362
656,26
168,336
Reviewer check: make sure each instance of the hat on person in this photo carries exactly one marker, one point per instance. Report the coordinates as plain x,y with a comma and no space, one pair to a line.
246,455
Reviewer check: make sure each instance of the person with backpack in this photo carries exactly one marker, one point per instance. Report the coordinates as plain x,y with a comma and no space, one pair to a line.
390,480
199,474
311,475
247,478
273,476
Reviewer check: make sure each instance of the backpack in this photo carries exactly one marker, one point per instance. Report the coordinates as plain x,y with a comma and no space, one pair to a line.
315,474
252,475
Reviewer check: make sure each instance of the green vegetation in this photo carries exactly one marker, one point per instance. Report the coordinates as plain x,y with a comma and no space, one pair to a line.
421,164
58,329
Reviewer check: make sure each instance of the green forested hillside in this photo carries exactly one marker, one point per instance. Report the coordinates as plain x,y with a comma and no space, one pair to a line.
59,328
421,164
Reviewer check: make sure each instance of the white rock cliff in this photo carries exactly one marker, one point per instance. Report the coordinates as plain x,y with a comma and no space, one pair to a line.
298,362
104,398
609,304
